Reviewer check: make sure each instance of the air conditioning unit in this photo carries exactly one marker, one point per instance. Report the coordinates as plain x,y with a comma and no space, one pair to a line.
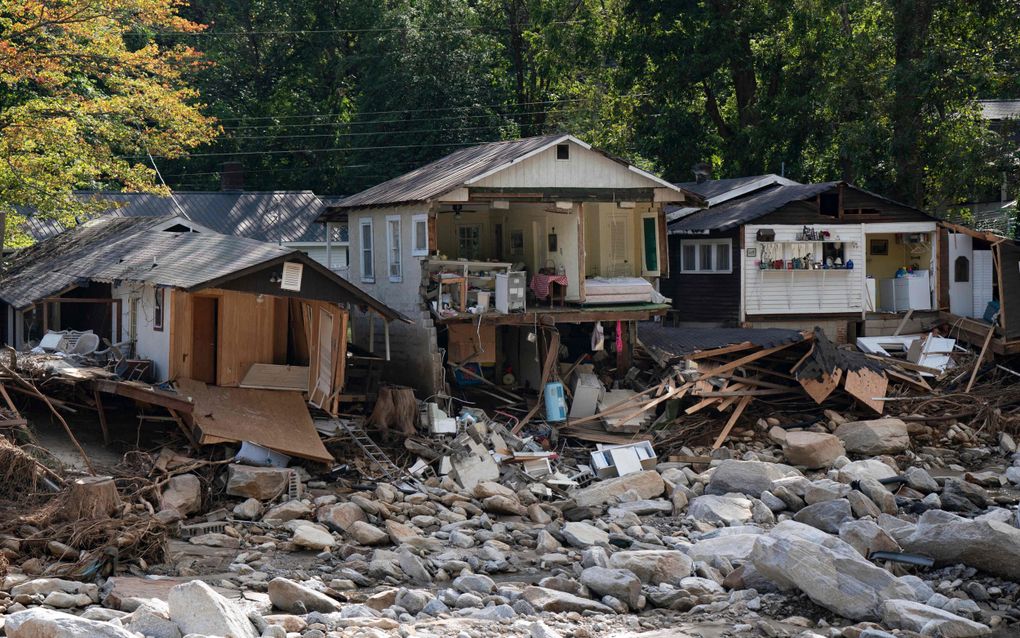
912,238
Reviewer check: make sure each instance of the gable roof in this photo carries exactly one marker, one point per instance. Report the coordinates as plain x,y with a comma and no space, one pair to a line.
717,191
110,249
996,110
465,166
272,216
743,210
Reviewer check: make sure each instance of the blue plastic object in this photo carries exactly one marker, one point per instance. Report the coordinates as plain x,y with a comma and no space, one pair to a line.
555,402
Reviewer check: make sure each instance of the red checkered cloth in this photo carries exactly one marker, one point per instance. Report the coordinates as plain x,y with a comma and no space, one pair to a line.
540,284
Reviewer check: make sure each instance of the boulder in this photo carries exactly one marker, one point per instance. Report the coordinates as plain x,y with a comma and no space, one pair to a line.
40,622
501,504
469,583
368,534
198,609
929,621
400,533
747,477
734,549
826,516
414,567
249,509
621,584
263,483
812,449
867,537
838,579
584,535
544,599
485,489
294,598
287,511
868,468
312,536
644,485
872,438
340,516
151,623
988,545
654,566
732,509
183,493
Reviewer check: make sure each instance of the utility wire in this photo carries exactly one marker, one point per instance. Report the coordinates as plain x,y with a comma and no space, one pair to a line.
450,29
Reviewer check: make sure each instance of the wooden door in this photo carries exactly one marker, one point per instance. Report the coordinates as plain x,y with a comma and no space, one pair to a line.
205,318
618,249
961,284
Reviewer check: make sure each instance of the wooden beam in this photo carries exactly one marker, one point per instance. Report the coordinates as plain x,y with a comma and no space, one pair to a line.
145,394
733,365
102,417
981,357
704,354
733,421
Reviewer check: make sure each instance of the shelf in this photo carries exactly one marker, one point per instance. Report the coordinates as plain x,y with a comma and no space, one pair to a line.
822,270
809,241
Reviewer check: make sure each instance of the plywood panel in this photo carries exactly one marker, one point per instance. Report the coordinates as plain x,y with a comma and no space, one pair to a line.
180,327
246,335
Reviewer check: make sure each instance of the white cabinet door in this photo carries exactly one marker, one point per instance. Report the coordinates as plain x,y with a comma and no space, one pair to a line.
961,275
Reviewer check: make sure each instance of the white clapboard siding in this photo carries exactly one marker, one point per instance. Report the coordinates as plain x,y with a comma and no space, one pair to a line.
805,291
584,169
983,272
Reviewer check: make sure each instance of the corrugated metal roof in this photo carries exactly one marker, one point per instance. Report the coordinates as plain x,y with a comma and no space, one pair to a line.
738,212
136,249
678,341
459,169
272,216
999,109
714,187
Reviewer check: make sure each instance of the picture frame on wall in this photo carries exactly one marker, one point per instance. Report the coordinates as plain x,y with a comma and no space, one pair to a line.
751,252
879,247
517,242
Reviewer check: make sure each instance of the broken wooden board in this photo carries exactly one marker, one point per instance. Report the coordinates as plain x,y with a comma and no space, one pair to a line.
598,435
819,390
267,376
275,419
868,387
622,422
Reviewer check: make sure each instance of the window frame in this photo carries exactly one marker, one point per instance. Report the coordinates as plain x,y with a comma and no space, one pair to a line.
477,228
390,220
698,248
657,272
423,219
158,308
366,277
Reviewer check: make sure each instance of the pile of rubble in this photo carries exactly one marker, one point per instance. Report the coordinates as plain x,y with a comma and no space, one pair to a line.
859,529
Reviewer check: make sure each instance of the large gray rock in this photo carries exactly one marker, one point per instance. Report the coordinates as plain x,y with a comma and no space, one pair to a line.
198,609
340,516
368,534
867,468
654,566
545,599
312,536
871,438
735,549
747,477
39,622
836,578
621,584
294,598
183,493
866,537
263,483
584,535
645,485
826,516
731,509
812,449
151,623
988,545
929,621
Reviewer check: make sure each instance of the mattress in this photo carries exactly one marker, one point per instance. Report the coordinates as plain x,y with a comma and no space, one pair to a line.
600,290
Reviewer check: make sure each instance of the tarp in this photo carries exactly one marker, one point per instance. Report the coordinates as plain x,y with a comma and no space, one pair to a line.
276,419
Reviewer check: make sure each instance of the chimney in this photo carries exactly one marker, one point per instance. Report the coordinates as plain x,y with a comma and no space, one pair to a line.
232,176
702,172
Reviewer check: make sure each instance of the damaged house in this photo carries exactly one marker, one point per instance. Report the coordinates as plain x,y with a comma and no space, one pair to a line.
244,327
486,244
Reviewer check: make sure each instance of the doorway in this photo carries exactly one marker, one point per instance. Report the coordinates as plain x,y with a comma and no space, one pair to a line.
961,285
205,323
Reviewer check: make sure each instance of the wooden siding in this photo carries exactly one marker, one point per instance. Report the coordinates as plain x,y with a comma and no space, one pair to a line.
806,212
1009,288
775,292
584,169
704,297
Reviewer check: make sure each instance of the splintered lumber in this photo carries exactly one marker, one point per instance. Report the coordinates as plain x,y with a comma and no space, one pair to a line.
733,420
92,497
751,358
706,354
395,409
552,351
868,387
981,357
598,435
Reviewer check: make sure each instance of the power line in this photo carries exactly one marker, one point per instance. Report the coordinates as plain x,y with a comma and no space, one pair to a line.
450,29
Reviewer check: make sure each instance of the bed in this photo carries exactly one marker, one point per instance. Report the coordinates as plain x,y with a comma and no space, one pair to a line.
617,290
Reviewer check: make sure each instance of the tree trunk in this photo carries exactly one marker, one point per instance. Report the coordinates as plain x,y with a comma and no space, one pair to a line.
911,23
92,497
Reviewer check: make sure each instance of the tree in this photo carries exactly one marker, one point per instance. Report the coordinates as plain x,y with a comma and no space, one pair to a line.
85,96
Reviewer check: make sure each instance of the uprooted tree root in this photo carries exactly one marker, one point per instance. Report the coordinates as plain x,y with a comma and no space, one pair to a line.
18,471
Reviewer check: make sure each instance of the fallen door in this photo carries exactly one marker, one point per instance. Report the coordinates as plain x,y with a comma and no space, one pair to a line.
205,317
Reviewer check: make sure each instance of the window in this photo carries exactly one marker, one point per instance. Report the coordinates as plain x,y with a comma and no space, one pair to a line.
419,235
367,254
393,247
706,256
469,241
159,299
563,151
339,233
961,269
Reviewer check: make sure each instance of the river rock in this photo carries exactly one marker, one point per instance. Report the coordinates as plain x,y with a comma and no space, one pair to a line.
826,516
812,449
875,437
644,485
654,566
368,534
295,598
747,477
867,468
312,536
183,493
929,621
263,483
866,537
584,535
731,509
545,599
618,583
340,516
988,545
198,609
40,622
